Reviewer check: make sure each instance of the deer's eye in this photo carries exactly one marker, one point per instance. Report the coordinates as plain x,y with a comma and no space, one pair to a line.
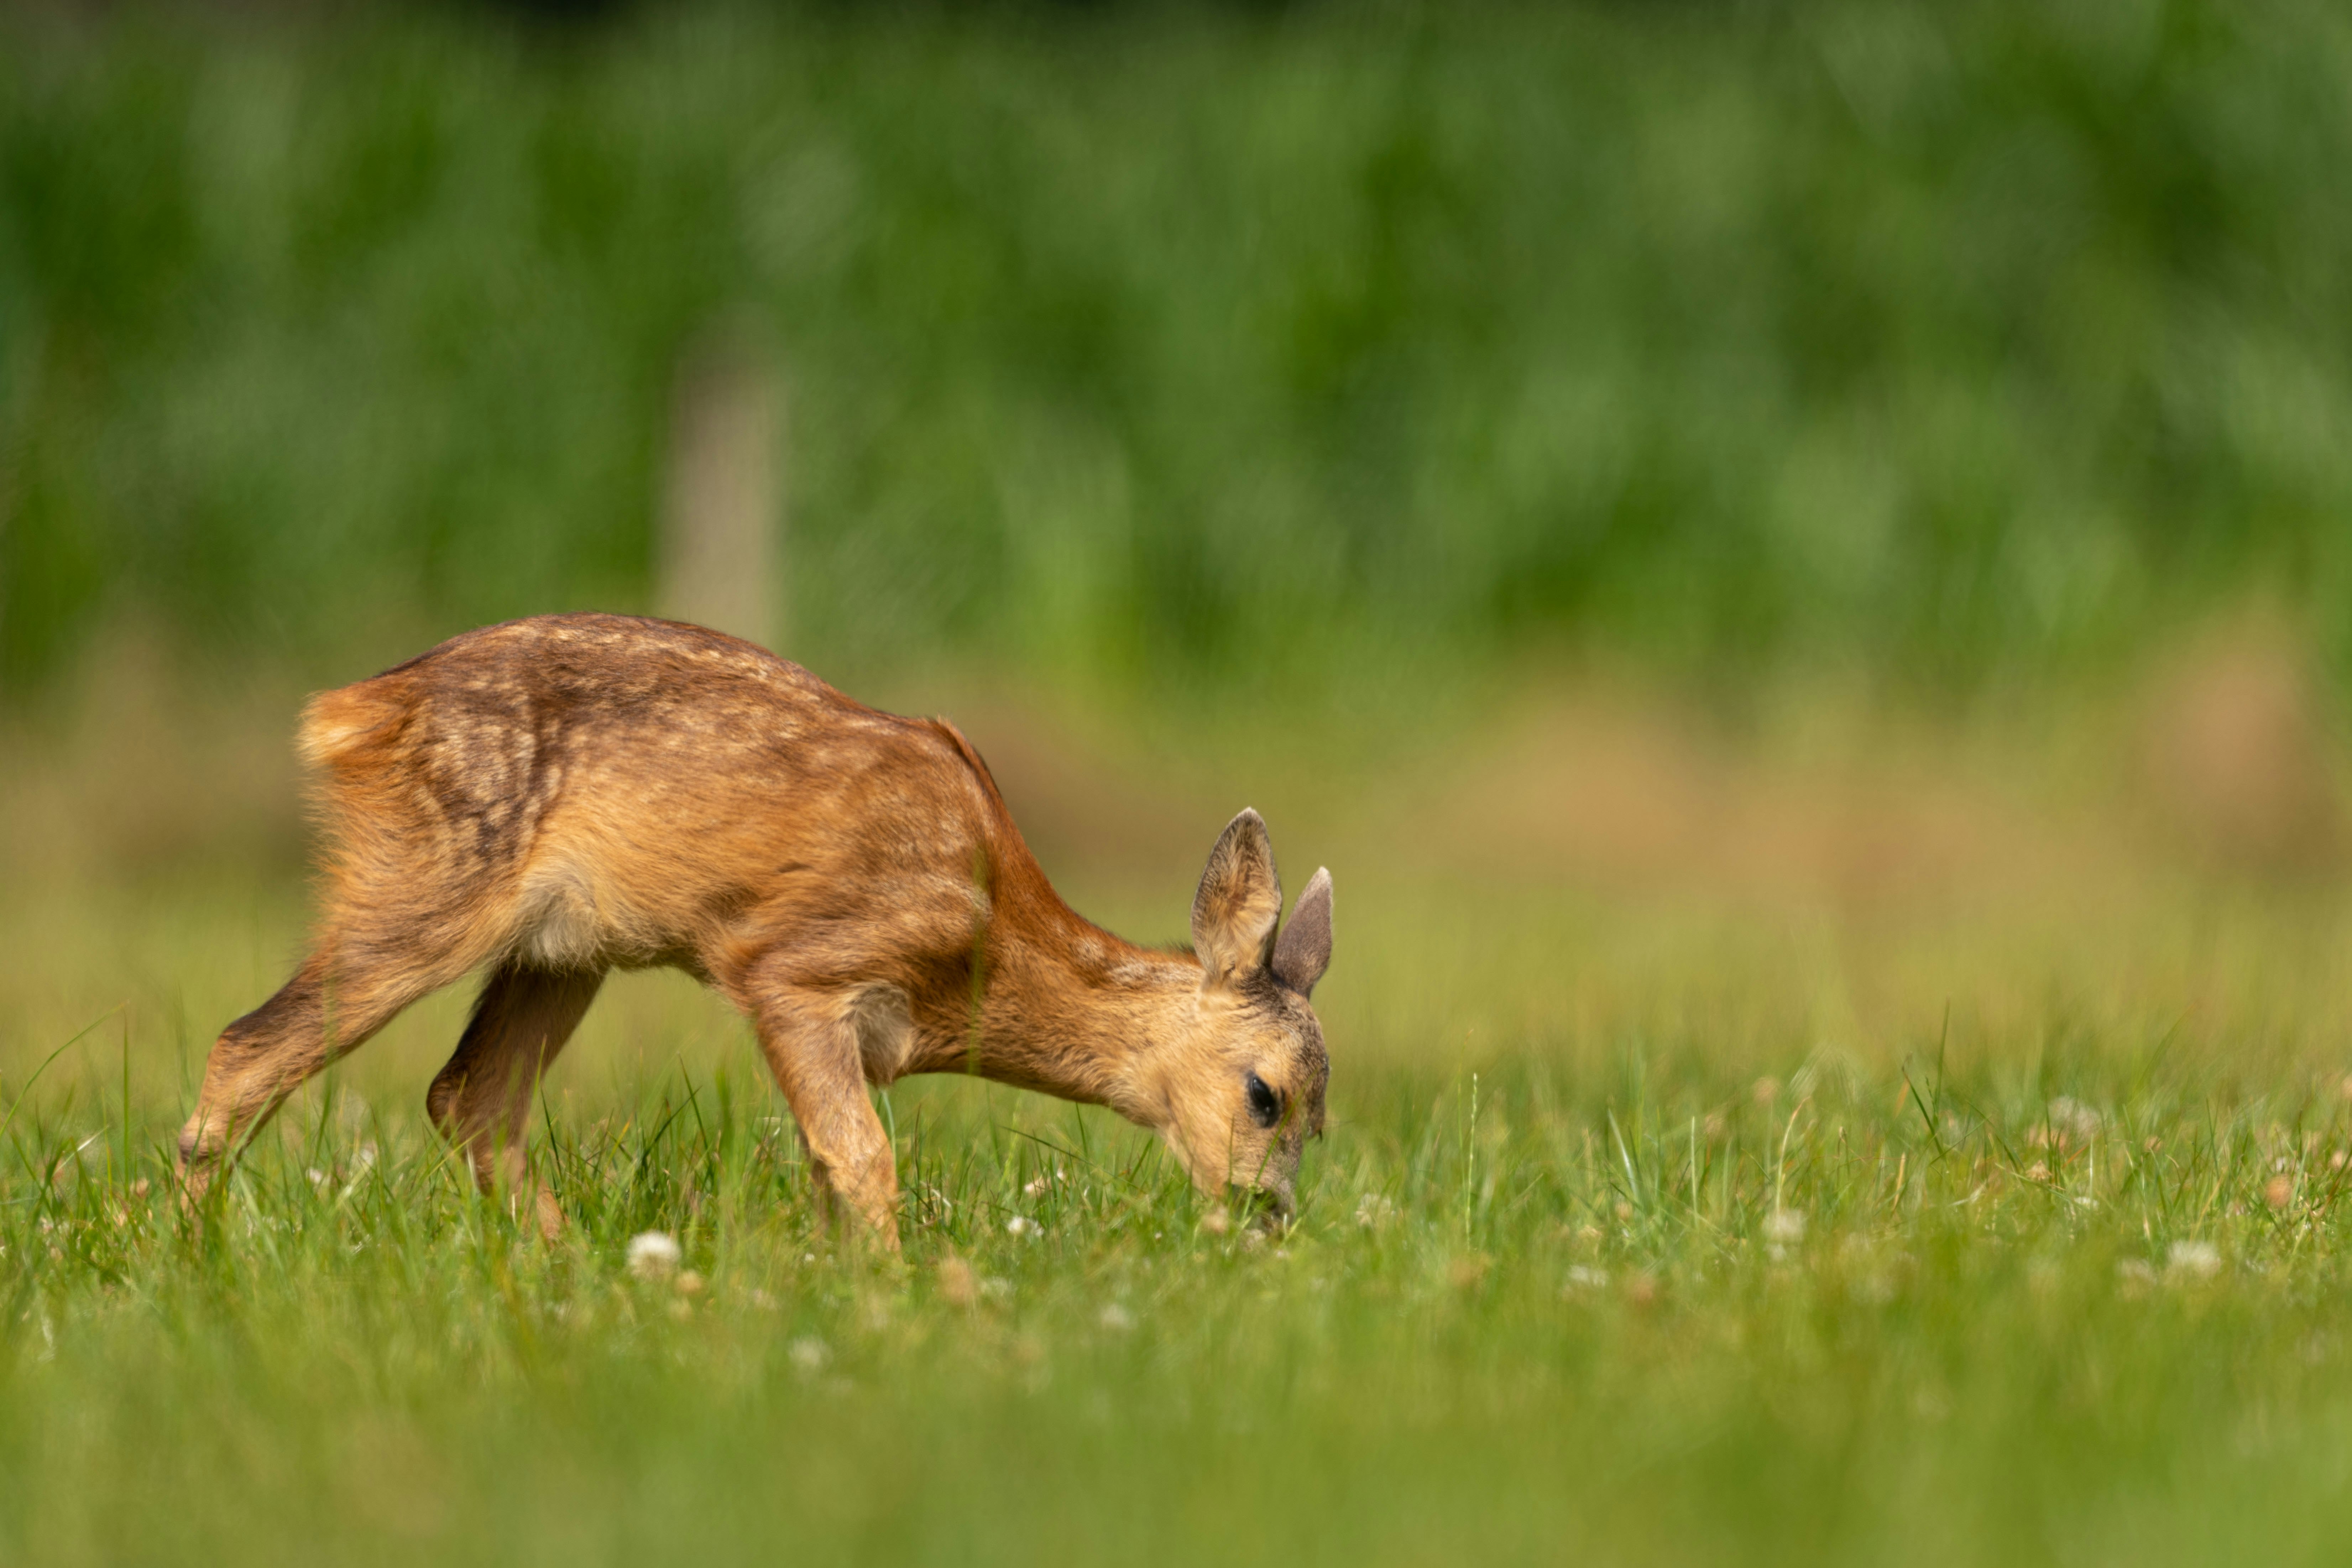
1265,1106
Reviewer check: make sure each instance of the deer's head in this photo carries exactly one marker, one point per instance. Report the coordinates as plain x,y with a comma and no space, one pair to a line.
1244,1091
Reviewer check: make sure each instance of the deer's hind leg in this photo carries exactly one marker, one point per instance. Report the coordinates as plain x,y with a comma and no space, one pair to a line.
344,992
481,1100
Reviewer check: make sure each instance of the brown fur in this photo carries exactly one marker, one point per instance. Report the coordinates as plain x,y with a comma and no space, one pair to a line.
552,798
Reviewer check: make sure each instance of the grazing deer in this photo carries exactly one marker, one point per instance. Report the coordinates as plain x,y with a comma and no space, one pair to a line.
552,798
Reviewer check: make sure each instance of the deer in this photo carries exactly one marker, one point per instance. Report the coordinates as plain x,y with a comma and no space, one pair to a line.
549,799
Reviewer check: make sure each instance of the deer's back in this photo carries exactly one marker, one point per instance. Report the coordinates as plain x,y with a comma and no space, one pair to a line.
602,788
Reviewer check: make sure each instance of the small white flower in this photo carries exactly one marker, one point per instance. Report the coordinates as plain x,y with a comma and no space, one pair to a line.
1373,1211
1785,1227
2192,1260
809,1355
2074,1116
1022,1225
1582,1277
653,1254
1117,1319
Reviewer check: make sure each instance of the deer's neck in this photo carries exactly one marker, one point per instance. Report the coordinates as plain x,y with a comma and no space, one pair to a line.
1072,1010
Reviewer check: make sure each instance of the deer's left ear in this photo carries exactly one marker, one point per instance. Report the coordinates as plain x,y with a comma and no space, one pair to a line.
1240,900
1303,951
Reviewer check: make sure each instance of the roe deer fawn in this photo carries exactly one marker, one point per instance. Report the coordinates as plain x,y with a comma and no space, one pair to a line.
552,798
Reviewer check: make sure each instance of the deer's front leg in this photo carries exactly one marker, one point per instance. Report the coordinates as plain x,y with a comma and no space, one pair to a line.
810,1039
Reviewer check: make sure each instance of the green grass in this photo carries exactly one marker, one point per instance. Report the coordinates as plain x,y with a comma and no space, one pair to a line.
1729,1239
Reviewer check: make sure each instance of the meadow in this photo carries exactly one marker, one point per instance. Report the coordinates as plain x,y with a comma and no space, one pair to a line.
1650,1228
1789,557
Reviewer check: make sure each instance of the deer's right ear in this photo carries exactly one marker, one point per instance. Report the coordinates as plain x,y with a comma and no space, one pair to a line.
1240,900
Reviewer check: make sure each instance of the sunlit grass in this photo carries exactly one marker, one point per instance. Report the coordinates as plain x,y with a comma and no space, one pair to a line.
1955,1300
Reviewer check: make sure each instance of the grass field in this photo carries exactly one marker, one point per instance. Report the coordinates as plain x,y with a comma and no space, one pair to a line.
1646,1230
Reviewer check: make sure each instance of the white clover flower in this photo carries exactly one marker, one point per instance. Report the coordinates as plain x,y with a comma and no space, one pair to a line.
1783,1228
2074,1116
2192,1260
1022,1225
653,1254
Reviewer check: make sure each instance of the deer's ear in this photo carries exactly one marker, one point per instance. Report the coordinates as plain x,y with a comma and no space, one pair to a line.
1303,951
1240,900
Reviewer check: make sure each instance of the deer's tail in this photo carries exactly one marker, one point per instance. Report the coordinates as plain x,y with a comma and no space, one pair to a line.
339,727
354,741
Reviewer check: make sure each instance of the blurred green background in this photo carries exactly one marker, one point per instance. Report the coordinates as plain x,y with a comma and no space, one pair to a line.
1150,347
